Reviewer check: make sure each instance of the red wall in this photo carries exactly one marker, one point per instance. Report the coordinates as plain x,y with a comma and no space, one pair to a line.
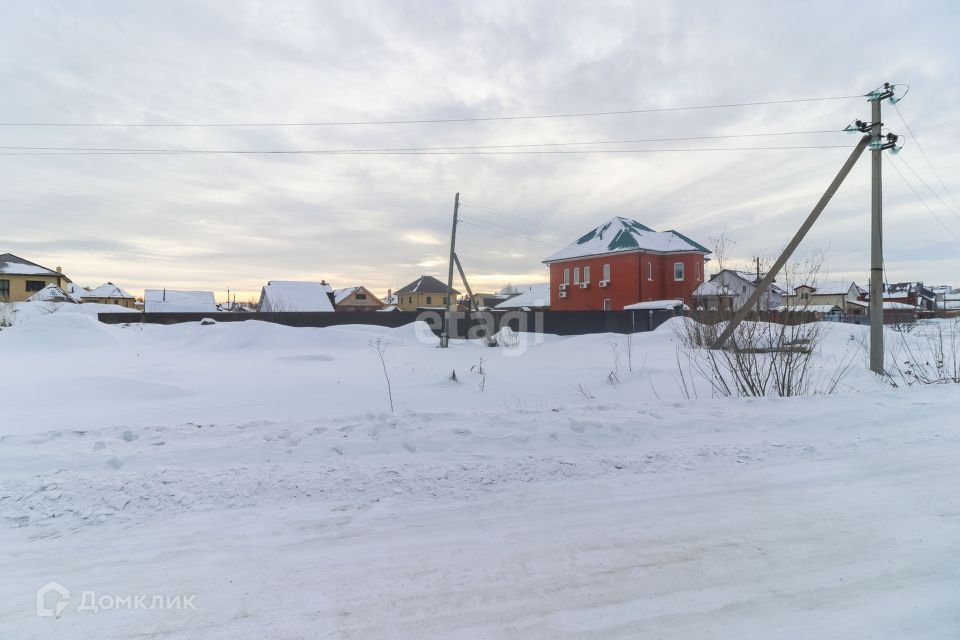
628,280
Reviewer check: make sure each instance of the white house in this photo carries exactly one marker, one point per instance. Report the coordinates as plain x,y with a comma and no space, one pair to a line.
742,284
531,296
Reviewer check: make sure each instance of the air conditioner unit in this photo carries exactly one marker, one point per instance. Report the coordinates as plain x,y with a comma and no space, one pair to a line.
563,287
584,285
604,283
563,294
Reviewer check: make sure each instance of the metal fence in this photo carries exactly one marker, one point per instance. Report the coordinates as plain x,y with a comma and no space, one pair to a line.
463,324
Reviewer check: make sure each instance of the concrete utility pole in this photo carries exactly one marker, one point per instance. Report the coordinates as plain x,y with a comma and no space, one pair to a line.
745,309
876,230
445,334
878,143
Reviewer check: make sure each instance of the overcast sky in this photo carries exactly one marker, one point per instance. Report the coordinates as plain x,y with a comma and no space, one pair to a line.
236,221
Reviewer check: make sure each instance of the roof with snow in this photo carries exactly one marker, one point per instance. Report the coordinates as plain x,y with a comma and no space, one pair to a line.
815,308
833,288
620,235
288,295
76,290
52,293
17,266
712,288
652,305
749,277
531,295
108,290
173,301
426,284
339,295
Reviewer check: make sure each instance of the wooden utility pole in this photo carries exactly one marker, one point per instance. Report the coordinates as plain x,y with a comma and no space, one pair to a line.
445,334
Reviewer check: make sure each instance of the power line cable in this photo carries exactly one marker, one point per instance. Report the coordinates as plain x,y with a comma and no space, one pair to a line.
925,156
514,218
67,151
491,226
431,120
923,202
929,188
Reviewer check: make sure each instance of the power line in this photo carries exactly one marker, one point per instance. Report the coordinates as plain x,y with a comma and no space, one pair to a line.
512,217
923,202
924,154
924,183
429,120
455,148
499,229
67,151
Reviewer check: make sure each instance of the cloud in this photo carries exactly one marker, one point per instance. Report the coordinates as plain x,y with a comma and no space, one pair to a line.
236,221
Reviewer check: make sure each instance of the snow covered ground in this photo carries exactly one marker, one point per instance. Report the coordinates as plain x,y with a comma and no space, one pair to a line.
255,472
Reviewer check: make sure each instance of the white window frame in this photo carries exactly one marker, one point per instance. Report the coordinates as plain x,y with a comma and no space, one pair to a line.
682,271
650,270
698,272
576,275
606,305
566,276
606,272
586,275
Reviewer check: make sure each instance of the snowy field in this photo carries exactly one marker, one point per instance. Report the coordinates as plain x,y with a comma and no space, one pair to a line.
256,473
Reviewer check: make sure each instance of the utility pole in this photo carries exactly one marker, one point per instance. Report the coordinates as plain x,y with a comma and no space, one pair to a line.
445,334
876,228
878,143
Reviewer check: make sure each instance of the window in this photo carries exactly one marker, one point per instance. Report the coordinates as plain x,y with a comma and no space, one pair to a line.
35,285
576,275
606,304
698,271
744,288
360,296
566,276
606,272
678,271
649,271
586,274
429,299
410,299
4,289
805,295
446,300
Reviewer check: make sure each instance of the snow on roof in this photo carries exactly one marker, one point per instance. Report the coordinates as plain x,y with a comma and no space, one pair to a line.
655,304
108,290
339,295
532,295
831,288
17,266
76,290
52,293
899,306
816,308
751,277
619,235
287,295
173,301
712,288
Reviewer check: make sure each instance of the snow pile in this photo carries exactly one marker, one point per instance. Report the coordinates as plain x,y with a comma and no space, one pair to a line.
257,468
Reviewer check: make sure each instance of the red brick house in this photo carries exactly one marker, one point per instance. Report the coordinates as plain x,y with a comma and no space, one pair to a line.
623,262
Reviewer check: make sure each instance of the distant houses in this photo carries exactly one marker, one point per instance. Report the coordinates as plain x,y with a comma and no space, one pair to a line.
845,295
109,293
356,299
426,292
730,289
52,293
531,297
20,279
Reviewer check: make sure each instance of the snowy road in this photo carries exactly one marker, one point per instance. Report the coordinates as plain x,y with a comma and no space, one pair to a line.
746,519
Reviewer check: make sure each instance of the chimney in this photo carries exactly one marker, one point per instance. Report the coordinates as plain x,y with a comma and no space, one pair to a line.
389,293
59,269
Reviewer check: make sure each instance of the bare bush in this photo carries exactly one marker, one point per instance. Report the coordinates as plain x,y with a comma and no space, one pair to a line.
6,313
933,357
380,346
759,359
